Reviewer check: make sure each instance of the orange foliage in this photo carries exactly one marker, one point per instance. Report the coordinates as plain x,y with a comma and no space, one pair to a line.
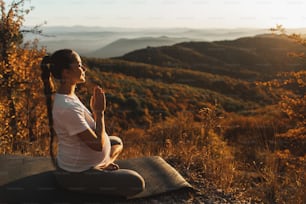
24,114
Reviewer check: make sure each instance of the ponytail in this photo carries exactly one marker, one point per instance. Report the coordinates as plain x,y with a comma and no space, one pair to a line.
48,91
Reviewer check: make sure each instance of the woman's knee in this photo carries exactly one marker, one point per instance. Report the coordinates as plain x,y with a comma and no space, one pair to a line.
115,140
136,182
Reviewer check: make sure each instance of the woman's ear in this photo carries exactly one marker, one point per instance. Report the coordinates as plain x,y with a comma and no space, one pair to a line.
65,73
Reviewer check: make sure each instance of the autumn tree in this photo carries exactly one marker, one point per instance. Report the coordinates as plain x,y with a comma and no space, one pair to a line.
293,100
19,74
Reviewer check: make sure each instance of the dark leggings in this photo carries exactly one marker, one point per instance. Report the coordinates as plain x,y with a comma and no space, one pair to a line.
121,182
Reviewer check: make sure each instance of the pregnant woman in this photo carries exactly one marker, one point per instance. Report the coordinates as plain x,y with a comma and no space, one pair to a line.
86,154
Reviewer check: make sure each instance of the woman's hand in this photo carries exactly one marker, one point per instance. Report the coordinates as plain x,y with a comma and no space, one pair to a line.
98,101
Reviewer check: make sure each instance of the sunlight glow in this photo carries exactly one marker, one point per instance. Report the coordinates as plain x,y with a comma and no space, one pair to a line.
168,13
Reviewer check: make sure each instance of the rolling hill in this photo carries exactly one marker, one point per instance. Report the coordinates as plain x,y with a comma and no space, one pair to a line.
249,58
163,80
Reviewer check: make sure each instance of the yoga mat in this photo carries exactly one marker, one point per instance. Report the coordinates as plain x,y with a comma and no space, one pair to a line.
31,179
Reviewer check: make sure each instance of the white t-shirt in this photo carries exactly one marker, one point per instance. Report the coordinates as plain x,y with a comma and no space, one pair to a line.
71,117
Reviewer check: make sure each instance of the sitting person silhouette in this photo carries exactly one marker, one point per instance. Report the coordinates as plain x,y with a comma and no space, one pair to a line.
86,155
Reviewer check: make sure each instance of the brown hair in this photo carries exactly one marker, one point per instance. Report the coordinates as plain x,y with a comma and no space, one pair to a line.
54,64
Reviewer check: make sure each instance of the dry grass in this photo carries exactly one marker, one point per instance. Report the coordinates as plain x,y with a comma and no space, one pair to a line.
182,143
283,177
271,166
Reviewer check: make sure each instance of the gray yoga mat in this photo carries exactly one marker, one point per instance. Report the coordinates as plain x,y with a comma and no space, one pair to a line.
31,179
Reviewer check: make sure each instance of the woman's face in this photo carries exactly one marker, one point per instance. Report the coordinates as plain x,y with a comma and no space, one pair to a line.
76,72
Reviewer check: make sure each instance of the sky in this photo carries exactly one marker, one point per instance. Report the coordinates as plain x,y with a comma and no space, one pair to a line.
168,13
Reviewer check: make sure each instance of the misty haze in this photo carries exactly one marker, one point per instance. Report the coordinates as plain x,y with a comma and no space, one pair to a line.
113,42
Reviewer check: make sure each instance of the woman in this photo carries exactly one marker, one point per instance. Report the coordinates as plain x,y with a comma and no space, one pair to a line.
86,154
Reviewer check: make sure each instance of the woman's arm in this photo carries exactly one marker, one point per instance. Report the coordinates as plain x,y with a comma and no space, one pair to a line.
95,139
100,126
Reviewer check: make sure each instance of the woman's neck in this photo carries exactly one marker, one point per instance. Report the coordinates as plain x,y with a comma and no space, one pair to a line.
66,89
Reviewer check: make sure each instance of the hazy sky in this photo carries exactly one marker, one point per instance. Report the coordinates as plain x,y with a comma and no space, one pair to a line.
169,13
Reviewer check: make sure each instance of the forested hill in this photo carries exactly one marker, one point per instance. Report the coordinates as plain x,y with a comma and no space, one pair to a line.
250,58
190,75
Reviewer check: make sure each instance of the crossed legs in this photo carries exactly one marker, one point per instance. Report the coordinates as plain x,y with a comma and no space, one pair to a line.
105,181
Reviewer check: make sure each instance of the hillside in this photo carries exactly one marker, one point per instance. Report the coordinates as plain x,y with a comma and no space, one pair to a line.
249,58
139,102
246,92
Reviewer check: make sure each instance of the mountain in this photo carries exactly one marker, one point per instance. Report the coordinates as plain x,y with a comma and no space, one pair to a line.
228,69
249,58
86,40
122,46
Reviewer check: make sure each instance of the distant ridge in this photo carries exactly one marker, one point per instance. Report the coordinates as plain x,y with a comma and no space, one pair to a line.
124,45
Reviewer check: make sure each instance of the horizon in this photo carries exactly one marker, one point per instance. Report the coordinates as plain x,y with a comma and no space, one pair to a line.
183,27
293,29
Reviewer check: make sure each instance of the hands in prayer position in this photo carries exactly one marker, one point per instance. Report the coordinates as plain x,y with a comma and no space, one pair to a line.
98,101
